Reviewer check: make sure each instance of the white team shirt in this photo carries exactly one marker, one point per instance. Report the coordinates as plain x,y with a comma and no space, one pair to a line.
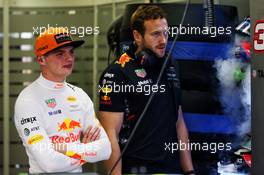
47,112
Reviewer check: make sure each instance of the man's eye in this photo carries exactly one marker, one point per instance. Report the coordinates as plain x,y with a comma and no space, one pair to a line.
156,34
59,54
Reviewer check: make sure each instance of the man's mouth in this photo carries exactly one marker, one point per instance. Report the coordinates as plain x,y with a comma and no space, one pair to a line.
67,66
161,47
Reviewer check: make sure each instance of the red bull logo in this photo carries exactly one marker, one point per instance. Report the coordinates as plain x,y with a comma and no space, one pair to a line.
73,154
70,138
123,60
105,100
77,156
91,154
68,125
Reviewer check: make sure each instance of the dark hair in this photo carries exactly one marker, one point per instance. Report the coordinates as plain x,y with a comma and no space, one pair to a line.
145,12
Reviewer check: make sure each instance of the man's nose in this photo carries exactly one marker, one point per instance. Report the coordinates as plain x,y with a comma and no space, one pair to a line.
163,38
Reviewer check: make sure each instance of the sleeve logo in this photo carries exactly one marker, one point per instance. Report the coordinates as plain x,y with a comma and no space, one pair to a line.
28,120
26,132
35,139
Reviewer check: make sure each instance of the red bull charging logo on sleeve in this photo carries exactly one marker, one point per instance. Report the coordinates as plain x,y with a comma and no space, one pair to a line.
68,125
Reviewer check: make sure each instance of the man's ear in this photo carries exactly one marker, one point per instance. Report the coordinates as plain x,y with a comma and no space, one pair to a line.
41,60
137,37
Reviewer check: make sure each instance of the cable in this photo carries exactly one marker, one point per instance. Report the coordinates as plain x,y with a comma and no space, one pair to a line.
208,6
152,94
108,56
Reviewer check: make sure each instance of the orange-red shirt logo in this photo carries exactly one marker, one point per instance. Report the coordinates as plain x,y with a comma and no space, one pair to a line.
68,125
123,60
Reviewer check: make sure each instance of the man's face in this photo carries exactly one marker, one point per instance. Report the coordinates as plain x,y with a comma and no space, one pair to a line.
59,63
156,36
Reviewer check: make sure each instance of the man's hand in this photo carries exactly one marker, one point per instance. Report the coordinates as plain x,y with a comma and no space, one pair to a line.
91,134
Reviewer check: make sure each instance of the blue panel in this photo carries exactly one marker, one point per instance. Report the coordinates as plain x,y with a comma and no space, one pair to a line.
206,123
203,51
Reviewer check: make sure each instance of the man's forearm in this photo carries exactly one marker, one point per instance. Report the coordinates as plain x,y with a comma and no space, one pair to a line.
112,122
185,155
183,136
113,158
186,159
90,152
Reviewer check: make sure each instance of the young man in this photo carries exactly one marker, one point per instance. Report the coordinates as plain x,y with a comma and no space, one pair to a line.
134,75
51,114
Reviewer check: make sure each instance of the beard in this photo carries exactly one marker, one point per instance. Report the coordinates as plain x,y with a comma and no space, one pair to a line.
158,50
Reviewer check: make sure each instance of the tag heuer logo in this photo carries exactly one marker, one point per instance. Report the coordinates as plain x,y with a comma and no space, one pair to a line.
51,103
141,73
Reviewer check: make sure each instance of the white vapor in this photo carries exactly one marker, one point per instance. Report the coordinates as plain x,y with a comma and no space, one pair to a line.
235,97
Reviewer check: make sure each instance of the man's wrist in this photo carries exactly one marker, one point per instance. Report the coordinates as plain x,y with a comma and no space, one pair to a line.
190,172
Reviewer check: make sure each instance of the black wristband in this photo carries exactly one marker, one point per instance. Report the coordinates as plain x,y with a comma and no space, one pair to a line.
189,172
